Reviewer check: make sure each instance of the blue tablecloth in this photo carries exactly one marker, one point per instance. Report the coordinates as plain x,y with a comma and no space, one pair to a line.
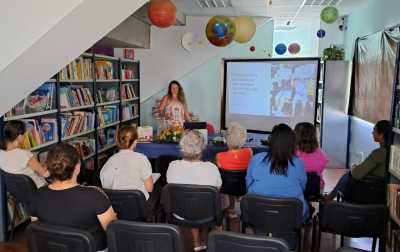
154,150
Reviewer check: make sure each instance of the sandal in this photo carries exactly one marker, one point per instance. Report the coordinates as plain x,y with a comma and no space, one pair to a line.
200,248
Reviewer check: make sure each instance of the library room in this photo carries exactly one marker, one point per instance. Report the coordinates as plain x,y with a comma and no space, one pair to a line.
200,125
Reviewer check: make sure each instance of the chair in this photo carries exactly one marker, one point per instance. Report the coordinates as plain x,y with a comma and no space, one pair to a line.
369,190
228,242
22,189
233,182
192,206
281,217
49,238
128,204
352,220
126,236
161,166
313,187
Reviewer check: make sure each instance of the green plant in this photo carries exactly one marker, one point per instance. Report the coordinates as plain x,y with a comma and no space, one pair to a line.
333,53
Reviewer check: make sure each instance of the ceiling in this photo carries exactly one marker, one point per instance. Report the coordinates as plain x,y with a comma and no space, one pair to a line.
282,11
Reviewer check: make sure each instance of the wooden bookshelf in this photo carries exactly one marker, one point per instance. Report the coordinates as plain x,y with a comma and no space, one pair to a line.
107,103
36,148
129,100
108,125
78,135
77,108
30,115
113,80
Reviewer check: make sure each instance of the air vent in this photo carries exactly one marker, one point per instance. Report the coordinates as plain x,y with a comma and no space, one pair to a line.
210,4
322,2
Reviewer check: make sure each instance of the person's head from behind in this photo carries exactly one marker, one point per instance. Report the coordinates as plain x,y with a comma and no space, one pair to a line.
236,136
127,137
282,145
13,134
63,162
192,145
306,137
381,132
175,90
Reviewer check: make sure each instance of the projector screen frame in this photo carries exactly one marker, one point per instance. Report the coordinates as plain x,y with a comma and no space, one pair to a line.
223,100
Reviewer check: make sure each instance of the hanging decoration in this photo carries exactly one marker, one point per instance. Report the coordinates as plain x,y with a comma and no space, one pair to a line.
294,48
321,33
252,48
162,13
220,30
245,29
280,49
329,14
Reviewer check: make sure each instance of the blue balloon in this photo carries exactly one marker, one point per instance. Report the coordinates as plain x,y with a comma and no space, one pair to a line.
280,49
321,33
220,30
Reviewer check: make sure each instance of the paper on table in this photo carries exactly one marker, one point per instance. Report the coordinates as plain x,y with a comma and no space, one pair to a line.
155,177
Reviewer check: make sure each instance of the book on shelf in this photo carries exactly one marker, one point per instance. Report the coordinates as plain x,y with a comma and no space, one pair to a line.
16,210
89,164
104,70
129,111
108,114
107,137
40,100
79,69
127,91
127,73
394,165
39,131
106,94
75,96
84,145
76,122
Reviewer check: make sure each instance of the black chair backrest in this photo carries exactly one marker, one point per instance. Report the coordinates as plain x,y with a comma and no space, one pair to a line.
161,166
192,205
128,204
271,215
369,190
228,242
233,182
353,220
48,238
313,186
127,236
21,187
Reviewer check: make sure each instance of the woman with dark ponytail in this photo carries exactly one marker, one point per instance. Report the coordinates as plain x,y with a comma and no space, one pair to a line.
15,160
278,172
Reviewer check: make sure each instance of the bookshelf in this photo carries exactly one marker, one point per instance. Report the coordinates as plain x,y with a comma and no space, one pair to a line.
78,102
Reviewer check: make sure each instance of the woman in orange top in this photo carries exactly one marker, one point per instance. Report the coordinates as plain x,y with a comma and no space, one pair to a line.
236,158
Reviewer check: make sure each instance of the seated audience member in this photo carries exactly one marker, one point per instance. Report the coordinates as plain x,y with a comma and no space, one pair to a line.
127,169
374,165
278,172
236,158
15,160
308,150
66,203
191,170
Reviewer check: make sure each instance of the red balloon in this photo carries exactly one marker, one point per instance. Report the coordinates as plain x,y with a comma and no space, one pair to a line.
162,13
294,48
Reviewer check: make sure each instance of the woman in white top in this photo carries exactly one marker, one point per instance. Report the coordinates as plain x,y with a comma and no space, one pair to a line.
15,160
173,107
127,169
191,170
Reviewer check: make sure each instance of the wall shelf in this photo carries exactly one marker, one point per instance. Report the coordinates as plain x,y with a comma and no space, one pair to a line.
30,115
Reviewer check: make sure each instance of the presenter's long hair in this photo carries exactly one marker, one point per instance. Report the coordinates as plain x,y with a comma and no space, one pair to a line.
181,93
282,146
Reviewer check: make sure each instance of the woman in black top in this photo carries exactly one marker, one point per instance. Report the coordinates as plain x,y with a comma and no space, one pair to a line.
66,203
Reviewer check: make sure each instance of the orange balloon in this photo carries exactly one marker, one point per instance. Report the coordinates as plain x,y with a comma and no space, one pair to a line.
162,13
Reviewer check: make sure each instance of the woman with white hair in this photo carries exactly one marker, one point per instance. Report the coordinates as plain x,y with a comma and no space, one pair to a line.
191,170
236,158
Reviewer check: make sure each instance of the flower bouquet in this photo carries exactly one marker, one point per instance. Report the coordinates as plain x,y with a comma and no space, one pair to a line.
171,135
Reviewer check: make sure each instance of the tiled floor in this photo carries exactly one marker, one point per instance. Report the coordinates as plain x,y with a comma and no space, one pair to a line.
329,243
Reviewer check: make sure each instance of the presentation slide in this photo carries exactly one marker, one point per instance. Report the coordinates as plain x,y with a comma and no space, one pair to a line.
261,94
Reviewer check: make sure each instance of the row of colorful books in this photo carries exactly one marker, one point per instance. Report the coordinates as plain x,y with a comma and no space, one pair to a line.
130,111
75,96
39,131
76,122
79,69
104,70
39,100
106,94
85,146
16,210
127,74
127,91
107,137
108,114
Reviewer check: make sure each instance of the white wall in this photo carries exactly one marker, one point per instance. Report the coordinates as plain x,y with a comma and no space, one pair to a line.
85,24
333,36
199,70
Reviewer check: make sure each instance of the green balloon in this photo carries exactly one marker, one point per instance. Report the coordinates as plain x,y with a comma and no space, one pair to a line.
329,14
